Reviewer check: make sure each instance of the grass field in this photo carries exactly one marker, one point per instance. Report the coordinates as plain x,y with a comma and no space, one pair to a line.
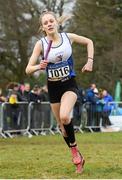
42,157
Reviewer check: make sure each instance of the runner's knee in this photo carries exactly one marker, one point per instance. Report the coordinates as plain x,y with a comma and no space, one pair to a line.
64,118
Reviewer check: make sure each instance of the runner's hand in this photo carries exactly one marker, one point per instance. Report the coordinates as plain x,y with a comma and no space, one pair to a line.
88,66
43,64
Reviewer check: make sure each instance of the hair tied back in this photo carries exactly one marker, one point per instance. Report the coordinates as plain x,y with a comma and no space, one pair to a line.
44,11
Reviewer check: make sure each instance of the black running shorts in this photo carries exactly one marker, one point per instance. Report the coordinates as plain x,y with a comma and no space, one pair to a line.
57,88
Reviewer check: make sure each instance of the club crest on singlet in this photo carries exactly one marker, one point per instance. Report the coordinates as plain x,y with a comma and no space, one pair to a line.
59,56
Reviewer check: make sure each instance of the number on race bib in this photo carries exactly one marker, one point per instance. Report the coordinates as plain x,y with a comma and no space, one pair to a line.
59,73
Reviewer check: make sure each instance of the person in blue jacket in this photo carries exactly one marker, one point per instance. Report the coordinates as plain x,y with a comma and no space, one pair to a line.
108,105
91,99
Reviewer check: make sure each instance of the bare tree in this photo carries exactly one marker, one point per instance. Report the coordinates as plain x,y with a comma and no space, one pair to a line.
100,21
18,25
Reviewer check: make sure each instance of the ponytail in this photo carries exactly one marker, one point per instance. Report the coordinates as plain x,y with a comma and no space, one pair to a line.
62,19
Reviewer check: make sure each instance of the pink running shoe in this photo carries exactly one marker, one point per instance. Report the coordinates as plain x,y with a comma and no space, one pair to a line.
79,167
77,159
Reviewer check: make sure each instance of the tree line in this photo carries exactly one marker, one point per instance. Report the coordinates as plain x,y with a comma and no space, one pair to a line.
99,20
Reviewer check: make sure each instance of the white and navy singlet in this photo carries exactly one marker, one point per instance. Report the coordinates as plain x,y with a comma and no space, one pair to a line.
60,66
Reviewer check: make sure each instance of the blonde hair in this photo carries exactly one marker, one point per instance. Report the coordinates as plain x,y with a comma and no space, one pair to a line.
60,19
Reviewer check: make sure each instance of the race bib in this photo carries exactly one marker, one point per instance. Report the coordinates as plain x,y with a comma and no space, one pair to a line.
58,70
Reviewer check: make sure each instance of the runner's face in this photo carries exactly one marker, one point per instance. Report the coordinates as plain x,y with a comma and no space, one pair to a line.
49,24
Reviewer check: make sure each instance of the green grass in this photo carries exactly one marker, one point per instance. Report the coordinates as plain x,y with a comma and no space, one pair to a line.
48,157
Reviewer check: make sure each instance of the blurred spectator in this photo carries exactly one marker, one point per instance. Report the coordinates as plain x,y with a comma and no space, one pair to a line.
95,90
81,96
34,95
13,109
14,87
77,111
99,108
22,87
9,88
2,97
107,99
26,91
44,93
91,99
17,91
13,98
91,94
